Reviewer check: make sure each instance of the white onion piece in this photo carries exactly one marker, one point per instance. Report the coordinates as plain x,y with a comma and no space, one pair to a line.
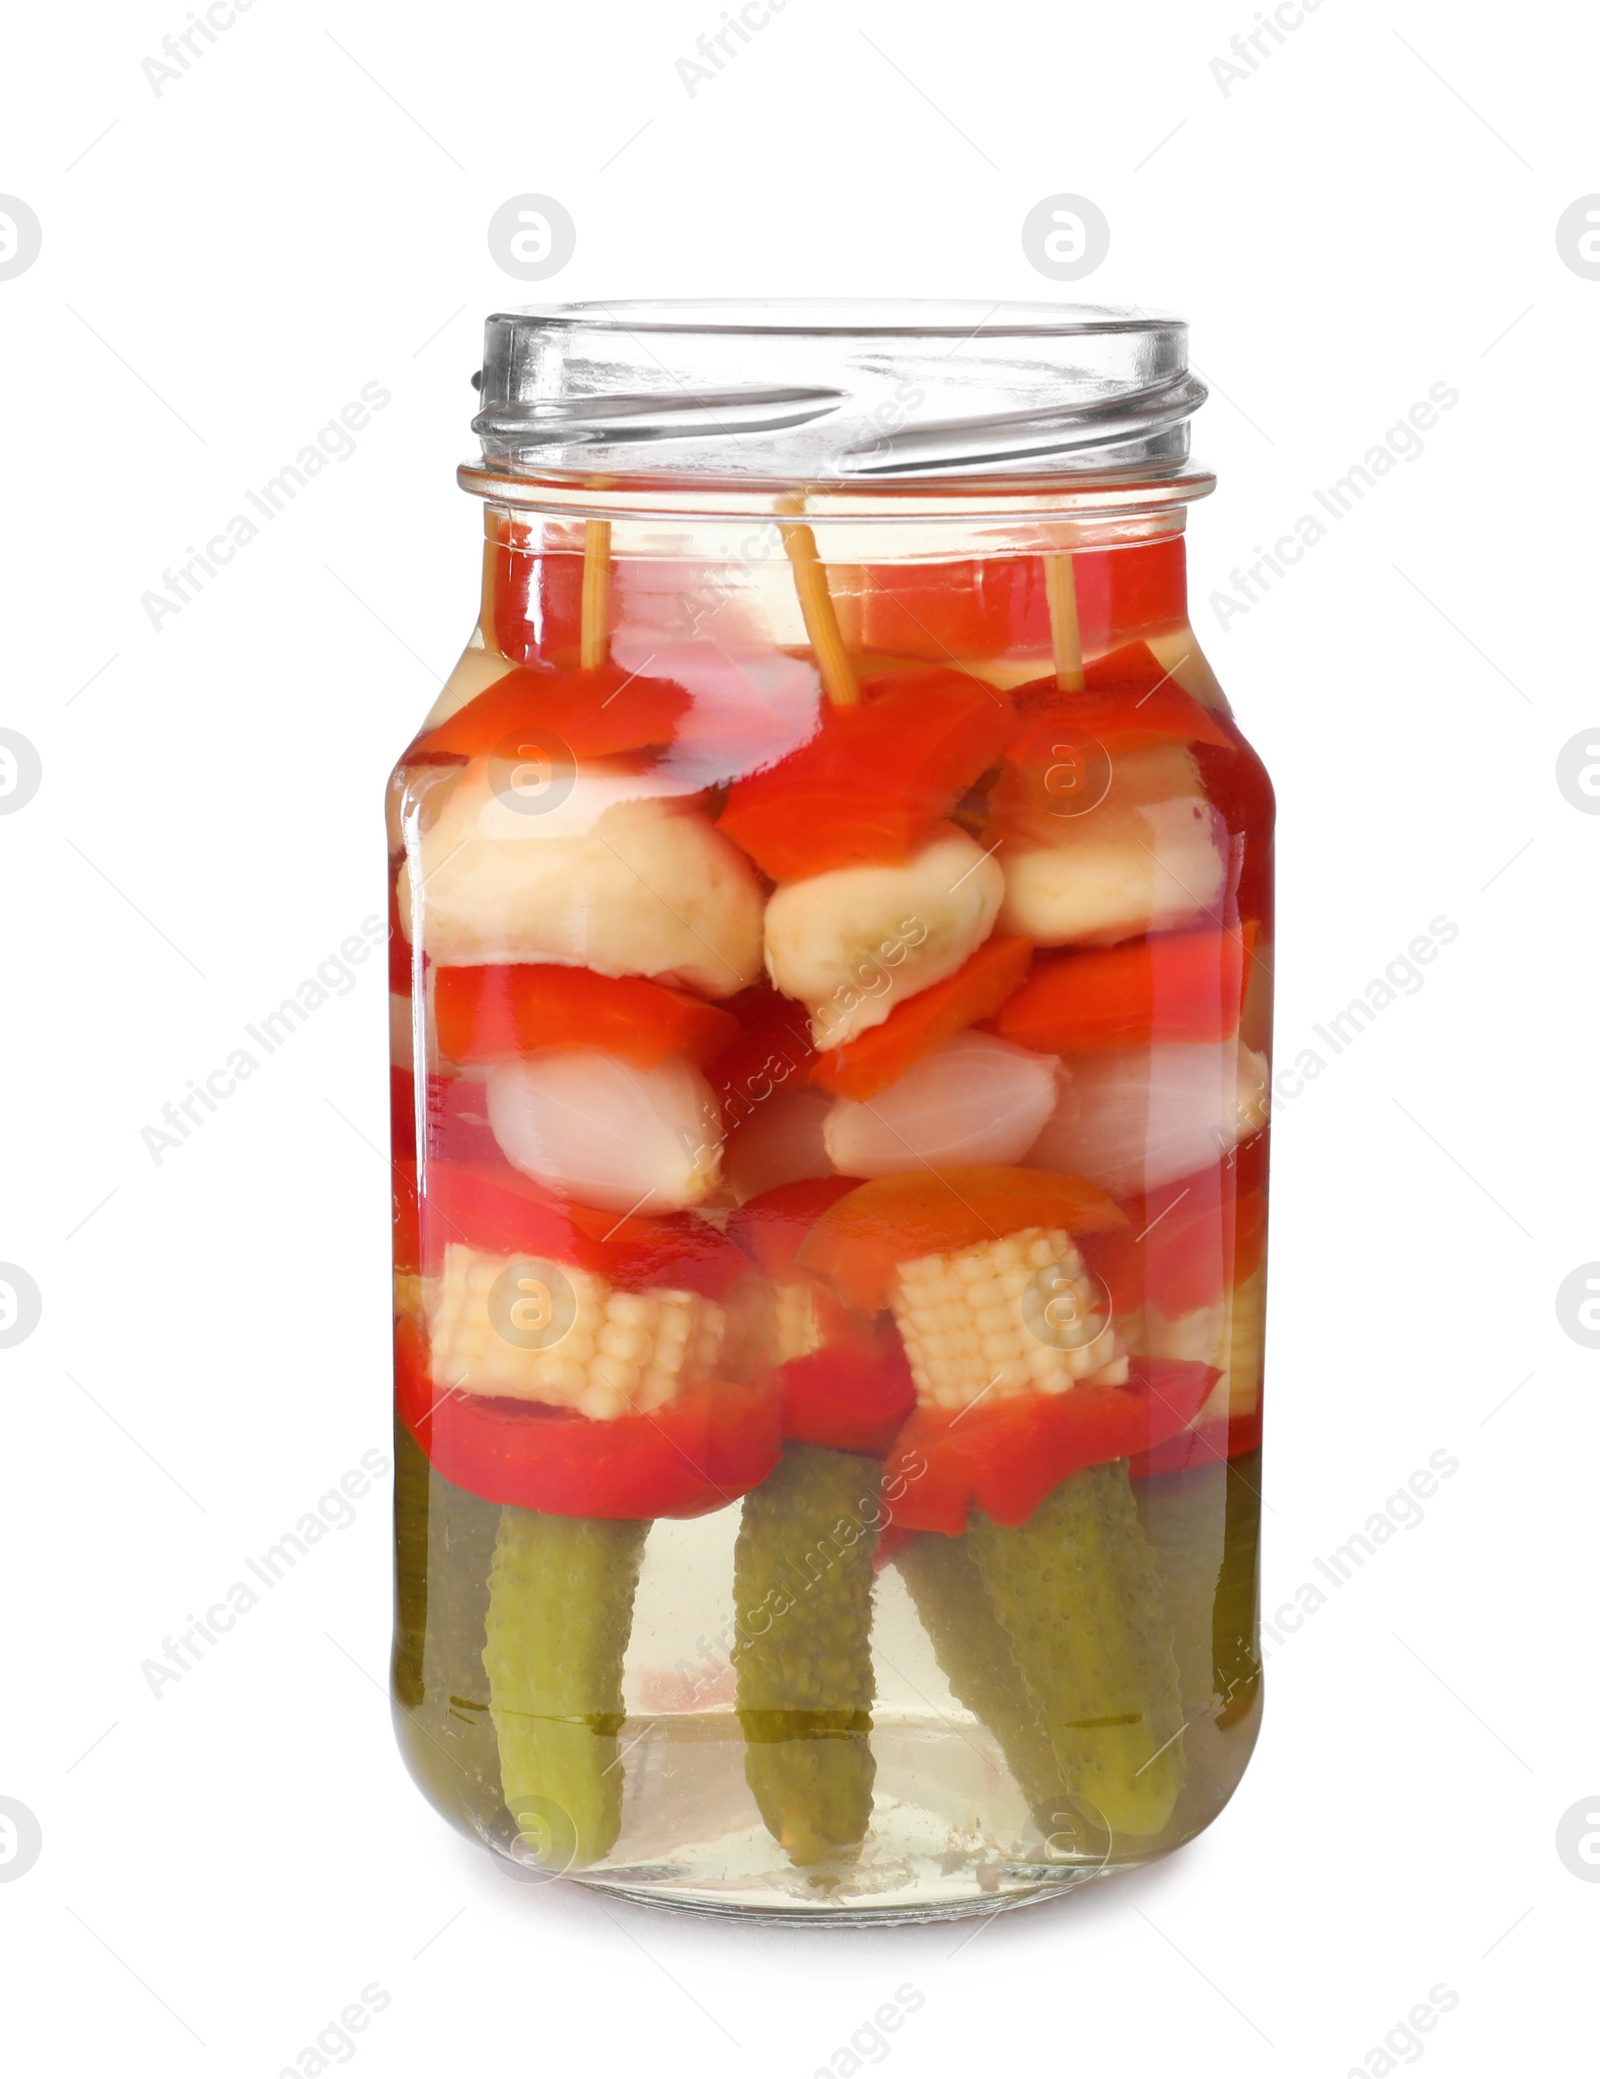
750,706
975,1099
596,1129
779,1143
1135,1119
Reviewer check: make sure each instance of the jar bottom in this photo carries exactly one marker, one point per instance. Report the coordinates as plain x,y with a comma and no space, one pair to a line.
1024,1886
950,1835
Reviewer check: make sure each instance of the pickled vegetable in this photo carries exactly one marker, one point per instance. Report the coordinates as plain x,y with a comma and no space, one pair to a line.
444,1546
1076,1589
975,1657
829,1027
802,1590
1203,1525
560,1611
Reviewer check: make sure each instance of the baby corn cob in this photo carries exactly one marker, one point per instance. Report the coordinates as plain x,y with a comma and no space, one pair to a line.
1230,1335
1017,1315
544,1332
796,1329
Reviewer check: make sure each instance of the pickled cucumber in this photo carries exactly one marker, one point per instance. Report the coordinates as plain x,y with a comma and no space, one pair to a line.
411,1567
802,1649
1235,1640
1204,1526
1182,1518
560,1610
974,1654
444,1543
1076,1589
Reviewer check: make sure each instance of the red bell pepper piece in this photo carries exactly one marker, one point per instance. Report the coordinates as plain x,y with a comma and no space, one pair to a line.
1005,1456
859,1242
457,1124
570,715
405,1217
485,1013
703,1450
1130,702
988,607
1188,1243
1210,1444
866,1065
1236,784
875,778
996,606
402,1114
772,1051
1188,985
771,1227
505,1214
853,1395
1192,1262
1124,591
537,596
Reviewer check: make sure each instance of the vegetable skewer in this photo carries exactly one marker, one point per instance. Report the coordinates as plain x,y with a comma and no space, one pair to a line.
816,604
1061,596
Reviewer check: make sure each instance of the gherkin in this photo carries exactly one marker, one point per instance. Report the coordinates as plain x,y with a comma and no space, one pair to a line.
974,1655
411,1526
444,1543
1235,1644
803,1650
560,1610
1076,1589
1204,1527
1182,1517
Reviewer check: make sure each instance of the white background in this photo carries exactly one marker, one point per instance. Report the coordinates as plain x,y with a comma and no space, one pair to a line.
1370,212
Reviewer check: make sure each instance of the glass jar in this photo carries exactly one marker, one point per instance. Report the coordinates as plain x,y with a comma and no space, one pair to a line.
831,908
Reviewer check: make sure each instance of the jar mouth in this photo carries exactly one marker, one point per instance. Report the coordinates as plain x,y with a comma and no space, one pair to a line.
857,317
839,398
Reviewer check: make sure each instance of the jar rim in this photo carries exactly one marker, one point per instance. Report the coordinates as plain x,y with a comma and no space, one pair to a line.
843,397
855,317
1083,504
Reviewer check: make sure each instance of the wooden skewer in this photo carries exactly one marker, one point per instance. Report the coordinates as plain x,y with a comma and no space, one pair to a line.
816,606
1061,596
594,624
